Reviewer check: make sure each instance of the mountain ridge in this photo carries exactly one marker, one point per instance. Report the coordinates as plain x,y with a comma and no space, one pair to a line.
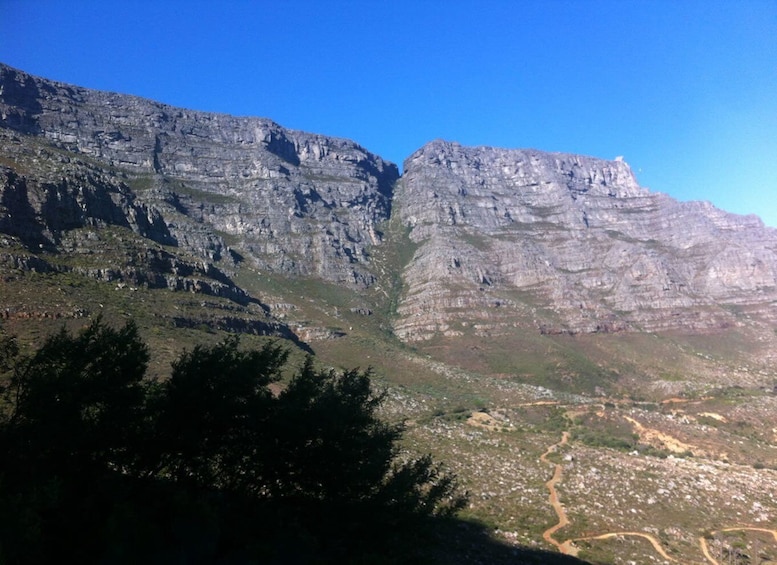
579,234
532,316
503,238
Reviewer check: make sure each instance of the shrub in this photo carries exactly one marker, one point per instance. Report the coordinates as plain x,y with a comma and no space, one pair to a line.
97,463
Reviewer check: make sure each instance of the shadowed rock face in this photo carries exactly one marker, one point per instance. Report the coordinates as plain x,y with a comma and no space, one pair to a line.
299,203
504,239
568,244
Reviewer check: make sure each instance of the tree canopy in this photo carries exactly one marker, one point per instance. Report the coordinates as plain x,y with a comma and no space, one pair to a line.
99,463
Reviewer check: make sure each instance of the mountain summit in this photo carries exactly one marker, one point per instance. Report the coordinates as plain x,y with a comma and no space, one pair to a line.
490,239
538,319
569,244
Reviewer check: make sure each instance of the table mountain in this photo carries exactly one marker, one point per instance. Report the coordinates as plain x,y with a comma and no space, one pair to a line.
298,204
567,243
495,240
537,318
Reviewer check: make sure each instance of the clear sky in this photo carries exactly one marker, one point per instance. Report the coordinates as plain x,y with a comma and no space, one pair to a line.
684,90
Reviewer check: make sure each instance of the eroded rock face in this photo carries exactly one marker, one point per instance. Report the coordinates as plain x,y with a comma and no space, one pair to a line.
300,204
504,239
568,244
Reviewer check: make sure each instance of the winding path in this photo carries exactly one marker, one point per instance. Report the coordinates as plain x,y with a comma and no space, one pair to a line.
653,541
706,550
566,547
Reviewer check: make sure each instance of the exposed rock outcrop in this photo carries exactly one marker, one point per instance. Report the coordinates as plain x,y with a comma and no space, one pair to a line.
569,244
502,239
300,204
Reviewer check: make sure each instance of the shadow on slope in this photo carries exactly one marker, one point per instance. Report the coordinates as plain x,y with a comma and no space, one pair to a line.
458,542
121,521
100,465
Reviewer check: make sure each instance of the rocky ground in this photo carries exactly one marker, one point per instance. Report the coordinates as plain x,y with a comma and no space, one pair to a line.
630,504
507,299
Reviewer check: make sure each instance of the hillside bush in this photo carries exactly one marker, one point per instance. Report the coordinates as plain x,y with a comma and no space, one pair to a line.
100,464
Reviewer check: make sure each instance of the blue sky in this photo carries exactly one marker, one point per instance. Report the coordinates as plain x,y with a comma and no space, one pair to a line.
685,91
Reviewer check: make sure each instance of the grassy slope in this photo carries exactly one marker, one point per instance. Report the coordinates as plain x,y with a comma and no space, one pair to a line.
543,385
531,386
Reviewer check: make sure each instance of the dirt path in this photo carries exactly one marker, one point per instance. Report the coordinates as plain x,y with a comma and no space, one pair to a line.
653,541
749,529
653,437
659,439
564,547
660,549
684,400
485,421
706,550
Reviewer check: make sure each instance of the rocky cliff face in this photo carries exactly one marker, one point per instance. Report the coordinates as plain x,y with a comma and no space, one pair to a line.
299,204
566,243
504,240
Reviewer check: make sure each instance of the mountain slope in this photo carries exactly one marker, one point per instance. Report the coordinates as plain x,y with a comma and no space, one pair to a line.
531,315
551,242
565,243
471,243
299,203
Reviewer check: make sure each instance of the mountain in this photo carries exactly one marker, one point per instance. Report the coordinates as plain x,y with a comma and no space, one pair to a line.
566,243
504,298
300,204
503,238
191,187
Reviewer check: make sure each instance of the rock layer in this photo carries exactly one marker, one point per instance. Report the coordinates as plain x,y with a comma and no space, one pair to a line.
300,204
503,239
567,243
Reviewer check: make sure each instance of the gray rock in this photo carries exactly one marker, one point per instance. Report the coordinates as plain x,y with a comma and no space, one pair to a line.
503,239
299,203
568,243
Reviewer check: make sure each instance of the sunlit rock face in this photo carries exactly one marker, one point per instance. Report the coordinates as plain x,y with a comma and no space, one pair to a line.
501,239
298,203
568,243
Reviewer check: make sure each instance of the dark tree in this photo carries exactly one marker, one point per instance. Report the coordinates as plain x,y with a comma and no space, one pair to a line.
98,464
332,446
77,403
211,416
330,443
74,422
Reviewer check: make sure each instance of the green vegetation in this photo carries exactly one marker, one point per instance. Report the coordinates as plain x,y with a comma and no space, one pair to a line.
390,258
603,432
204,196
476,240
97,463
